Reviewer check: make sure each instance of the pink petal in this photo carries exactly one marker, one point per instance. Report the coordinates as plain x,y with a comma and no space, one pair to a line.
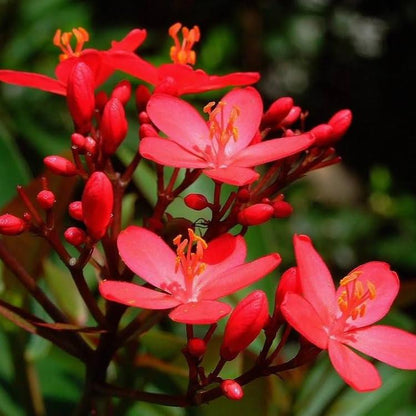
200,313
233,175
168,153
179,121
315,279
248,101
214,286
390,345
357,372
131,294
386,284
271,150
32,80
147,255
300,315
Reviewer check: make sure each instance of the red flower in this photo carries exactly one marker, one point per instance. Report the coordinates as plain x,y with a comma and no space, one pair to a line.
222,147
338,319
95,59
190,281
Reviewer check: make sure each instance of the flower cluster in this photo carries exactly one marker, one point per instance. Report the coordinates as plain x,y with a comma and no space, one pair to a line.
184,267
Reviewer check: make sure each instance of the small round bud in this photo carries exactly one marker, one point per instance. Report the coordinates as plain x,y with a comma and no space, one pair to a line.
255,214
122,91
340,122
232,390
60,166
11,225
292,117
78,140
282,209
277,112
197,347
323,134
144,118
46,199
75,210
142,97
147,130
243,195
75,236
101,99
196,201
90,145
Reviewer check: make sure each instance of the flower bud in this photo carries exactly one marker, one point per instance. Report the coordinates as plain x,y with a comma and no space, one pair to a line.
11,225
282,209
101,99
232,390
46,199
255,214
289,282
90,145
292,117
97,204
147,130
340,122
323,134
60,166
75,236
277,112
144,118
75,210
196,201
197,347
122,91
243,195
80,96
245,323
78,140
142,97
113,126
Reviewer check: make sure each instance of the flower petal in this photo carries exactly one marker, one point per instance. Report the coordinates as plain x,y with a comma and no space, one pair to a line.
233,175
357,372
315,279
271,150
147,255
390,345
179,121
138,296
300,314
200,313
214,286
131,41
168,153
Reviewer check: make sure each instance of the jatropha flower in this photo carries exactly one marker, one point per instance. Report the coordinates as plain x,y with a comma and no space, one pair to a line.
222,147
191,279
339,319
95,59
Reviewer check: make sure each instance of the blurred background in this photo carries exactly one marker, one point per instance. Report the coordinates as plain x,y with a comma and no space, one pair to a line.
327,55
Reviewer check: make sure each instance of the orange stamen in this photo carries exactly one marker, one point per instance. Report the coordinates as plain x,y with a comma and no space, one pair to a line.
63,42
181,52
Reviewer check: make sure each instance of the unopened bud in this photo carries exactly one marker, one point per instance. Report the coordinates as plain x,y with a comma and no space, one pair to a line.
340,122
147,130
323,134
143,95
101,99
292,117
282,209
78,140
196,201
232,390
144,118
80,96
97,204
277,112
113,126
289,283
60,166
11,225
90,145
197,347
243,195
122,91
46,199
75,236
244,325
255,214
75,210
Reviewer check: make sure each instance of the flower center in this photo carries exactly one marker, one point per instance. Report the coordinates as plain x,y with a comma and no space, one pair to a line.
354,298
181,52
63,42
187,259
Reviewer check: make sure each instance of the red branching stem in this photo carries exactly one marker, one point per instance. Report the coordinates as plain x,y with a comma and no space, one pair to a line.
33,211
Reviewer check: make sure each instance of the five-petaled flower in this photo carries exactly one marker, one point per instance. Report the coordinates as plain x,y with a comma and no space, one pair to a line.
222,147
338,319
191,280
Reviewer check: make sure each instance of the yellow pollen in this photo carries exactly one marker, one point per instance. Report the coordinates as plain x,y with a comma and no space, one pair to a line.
349,278
181,52
371,290
63,42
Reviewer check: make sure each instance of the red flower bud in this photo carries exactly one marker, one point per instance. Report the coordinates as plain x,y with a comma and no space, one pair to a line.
60,166
75,236
293,115
113,126
122,91
196,201
80,96
78,140
97,204
11,225
340,122
142,97
255,214
90,145
147,130
277,112
46,199
245,323
282,209
144,118
289,282
232,390
75,210
197,347
101,99
243,195
323,134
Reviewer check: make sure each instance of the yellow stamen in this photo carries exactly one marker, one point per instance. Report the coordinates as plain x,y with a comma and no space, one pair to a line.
63,42
181,52
349,278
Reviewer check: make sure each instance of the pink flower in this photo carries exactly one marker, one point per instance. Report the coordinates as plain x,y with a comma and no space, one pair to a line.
95,59
338,319
222,147
190,281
